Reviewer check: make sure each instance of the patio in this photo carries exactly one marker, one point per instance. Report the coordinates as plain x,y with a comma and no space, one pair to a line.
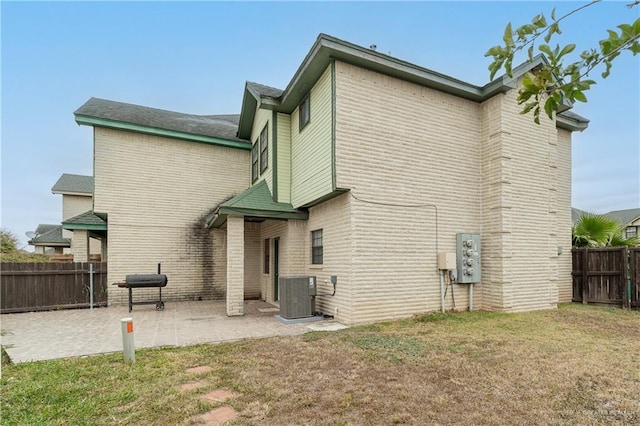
38,336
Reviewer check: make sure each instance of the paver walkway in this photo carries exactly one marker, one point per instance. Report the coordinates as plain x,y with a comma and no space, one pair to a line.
59,334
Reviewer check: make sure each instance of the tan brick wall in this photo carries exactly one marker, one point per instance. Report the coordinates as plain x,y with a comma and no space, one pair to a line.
157,192
235,265
488,169
403,144
80,245
335,220
525,208
73,205
564,216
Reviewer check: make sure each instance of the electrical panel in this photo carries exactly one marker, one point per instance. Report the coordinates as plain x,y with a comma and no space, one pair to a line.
297,296
468,258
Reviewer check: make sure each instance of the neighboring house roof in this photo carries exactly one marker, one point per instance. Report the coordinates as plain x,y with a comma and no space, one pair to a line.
624,217
264,91
53,237
328,48
214,129
43,228
73,185
90,221
255,202
576,214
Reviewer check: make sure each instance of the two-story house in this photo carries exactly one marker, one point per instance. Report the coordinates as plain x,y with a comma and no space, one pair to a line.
77,199
363,168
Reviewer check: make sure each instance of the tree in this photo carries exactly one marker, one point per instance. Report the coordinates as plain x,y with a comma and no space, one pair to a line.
9,251
592,230
8,241
555,82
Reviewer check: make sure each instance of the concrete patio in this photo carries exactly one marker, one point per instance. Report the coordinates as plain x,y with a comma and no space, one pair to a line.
38,336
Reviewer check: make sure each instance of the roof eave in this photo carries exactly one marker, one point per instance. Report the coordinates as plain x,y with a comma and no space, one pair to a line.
83,226
328,48
83,194
149,130
571,124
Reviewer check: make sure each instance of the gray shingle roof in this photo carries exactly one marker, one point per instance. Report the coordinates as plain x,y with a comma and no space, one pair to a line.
217,126
87,218
73,183
44,227
263,90
52,237
623,216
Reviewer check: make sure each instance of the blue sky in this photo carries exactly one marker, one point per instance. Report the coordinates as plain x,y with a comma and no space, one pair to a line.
195,57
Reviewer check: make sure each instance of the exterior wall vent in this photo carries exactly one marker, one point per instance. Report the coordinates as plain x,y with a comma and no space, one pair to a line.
297,296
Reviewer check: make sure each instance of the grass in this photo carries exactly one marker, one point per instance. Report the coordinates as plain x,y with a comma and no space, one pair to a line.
574,365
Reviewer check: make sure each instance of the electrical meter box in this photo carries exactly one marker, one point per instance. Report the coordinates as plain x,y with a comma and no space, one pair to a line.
468,258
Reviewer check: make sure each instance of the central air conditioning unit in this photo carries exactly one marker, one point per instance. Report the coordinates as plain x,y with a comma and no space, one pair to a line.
297,296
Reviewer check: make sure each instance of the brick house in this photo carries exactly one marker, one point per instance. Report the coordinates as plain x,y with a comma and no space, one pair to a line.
364,168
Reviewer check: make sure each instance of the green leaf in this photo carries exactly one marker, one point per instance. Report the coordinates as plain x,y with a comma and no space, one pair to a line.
626,29
579,96
544,48
549,107
567,49
636,26
508,36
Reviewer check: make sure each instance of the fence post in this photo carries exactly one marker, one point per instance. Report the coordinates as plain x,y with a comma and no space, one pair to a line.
91,286
585,275
625,279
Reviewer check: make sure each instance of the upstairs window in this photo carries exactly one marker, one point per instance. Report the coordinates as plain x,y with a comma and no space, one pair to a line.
316,247
264,149
254,162
304,113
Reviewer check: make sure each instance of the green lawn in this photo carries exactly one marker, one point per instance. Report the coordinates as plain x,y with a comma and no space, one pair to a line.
574,365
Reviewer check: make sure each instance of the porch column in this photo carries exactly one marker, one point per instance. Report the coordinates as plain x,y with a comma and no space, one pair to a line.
80,245
235,265
103,249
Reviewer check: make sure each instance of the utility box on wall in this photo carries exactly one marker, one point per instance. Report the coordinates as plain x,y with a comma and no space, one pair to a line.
468,258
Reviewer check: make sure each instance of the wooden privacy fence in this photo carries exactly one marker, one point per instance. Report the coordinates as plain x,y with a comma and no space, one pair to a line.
606,276
26,287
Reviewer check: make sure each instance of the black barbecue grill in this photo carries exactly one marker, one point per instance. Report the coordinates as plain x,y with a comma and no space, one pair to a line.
145,281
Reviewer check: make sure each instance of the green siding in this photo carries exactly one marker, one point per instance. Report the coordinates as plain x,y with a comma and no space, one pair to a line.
284,157
261,119
311,149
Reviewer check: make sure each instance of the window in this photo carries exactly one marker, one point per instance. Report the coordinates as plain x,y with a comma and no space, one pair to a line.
304,113
265,269
316,247
264,149
254,162
631,231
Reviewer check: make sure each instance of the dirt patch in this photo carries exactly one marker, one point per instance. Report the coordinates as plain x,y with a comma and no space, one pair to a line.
192,385
219,395
218,416
200,369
